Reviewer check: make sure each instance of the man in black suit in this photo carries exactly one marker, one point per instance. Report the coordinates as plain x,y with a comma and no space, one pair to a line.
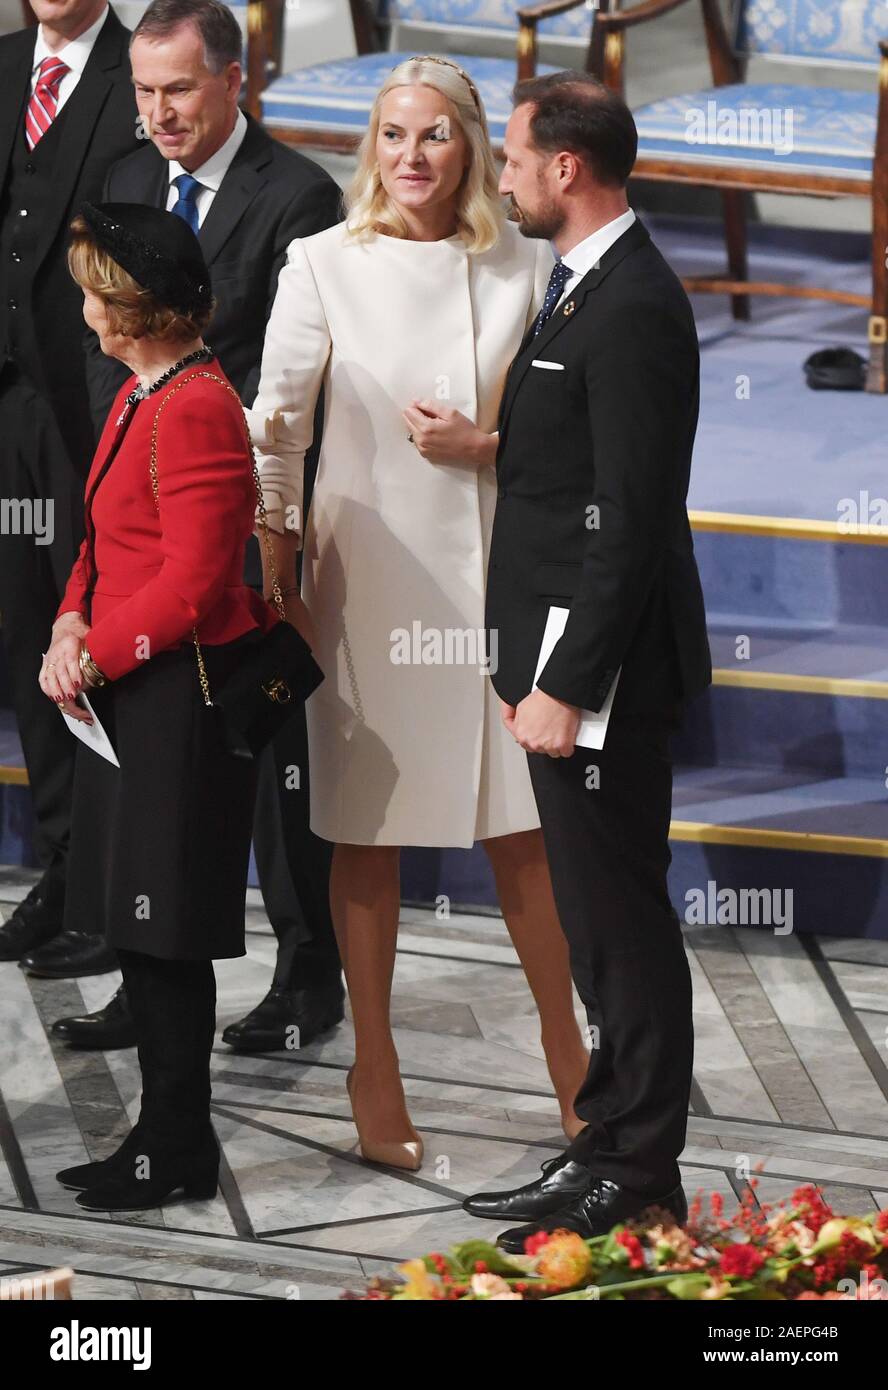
247,197
596,430
66,114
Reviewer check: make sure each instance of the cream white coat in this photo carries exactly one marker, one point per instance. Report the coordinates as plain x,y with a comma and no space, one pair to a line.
406,742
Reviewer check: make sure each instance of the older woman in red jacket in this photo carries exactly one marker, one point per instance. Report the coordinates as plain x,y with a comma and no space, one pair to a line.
160,845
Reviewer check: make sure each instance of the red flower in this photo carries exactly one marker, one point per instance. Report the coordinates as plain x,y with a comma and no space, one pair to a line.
742,1260
717,1204
882,1221
851,1251
828,1270
815,1212
632,1244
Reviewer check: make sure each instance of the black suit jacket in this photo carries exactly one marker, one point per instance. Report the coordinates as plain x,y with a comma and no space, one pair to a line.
593,467
99,128
269,196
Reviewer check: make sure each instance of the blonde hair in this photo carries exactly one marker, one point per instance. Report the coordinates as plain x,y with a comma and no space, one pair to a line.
480,213
130,309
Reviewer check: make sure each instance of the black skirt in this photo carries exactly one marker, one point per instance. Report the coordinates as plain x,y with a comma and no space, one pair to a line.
160,846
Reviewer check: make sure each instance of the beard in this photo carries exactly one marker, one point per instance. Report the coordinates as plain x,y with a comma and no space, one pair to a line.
544,222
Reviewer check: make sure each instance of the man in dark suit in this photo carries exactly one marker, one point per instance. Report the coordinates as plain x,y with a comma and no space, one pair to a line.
247,197
595,437
66,114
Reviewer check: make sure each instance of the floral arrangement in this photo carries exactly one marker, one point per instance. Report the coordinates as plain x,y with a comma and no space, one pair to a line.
795,1249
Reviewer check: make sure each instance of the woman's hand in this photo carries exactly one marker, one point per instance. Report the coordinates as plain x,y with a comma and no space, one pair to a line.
60,676
442,435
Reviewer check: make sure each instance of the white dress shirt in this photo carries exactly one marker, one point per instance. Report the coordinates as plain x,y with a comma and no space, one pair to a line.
587,253
211,172
74,54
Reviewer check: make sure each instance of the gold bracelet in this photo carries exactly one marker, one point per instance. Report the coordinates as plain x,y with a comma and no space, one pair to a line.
269,598
91,673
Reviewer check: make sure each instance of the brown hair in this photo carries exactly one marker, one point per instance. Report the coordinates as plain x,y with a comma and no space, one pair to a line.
575,111
131,310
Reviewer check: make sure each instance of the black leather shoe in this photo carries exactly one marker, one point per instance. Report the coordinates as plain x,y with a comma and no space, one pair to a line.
192,1174
287,1019
69,955
604,1204
106,1029
562,1179
36,920
85,1175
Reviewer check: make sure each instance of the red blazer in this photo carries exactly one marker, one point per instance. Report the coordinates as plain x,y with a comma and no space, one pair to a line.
160,575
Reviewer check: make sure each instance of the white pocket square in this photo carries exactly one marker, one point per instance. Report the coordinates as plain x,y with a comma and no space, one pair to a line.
550,366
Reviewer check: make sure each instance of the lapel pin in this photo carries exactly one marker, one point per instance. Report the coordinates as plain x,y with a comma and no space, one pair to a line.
568,308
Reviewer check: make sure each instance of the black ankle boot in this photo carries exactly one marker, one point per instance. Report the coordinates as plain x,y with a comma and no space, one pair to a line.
173,1006
85,1175
152,1174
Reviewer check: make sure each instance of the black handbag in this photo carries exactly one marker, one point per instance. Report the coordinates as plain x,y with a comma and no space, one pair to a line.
277,671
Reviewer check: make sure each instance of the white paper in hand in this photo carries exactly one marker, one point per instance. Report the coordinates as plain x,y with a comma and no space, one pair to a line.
93,735
593,726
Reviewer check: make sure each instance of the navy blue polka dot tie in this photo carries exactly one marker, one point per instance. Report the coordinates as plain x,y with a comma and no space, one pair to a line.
561,273
186,204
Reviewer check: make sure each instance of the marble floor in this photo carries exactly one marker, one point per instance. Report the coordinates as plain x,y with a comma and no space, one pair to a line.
790,1073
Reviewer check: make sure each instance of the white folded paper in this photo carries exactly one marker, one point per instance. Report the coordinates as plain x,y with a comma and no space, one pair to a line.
93,735
593,725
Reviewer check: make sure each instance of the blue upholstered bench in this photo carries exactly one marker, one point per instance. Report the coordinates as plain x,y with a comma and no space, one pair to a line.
781,137
328,104
738,137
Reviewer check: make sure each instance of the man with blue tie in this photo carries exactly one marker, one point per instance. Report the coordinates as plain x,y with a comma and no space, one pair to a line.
246,197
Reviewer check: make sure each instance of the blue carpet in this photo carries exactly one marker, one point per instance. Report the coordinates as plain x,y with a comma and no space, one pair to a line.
787,451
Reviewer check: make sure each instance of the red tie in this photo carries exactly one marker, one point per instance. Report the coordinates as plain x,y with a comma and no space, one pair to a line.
42,106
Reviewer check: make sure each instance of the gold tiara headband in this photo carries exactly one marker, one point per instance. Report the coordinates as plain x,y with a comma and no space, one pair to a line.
445,62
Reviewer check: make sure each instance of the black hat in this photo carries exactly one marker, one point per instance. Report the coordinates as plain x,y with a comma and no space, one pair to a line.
835,369
158,249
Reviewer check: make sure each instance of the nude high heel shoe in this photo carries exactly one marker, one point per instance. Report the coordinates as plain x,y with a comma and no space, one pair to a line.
389,1151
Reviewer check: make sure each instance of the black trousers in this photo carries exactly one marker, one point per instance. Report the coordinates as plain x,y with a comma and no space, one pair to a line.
35,467
605,820
294,865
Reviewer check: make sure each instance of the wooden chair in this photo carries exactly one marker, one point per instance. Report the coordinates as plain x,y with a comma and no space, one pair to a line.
719,137
842,143
328,104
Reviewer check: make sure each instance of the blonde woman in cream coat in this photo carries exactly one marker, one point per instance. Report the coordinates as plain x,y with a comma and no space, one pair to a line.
409,315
